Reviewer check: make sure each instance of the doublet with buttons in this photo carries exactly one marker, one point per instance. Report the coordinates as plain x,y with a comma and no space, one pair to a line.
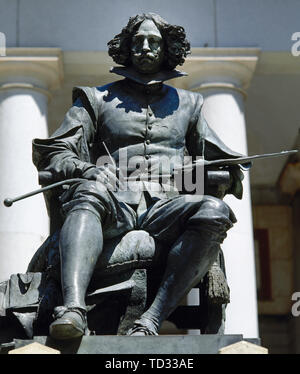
146,128
150,127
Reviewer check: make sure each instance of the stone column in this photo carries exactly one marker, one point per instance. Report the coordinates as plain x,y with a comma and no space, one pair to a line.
222,77
26,77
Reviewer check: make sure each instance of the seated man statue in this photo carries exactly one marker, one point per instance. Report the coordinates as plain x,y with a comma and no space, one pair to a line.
149,121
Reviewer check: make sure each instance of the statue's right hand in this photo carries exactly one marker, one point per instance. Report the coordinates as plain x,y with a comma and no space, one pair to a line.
106,175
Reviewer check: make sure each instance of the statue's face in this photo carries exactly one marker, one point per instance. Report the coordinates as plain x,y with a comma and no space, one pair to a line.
147,48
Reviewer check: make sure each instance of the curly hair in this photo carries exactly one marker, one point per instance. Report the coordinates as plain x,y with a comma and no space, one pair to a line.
176,45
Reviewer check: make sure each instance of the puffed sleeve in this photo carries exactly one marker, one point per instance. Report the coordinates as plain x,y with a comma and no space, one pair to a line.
66,153
201,140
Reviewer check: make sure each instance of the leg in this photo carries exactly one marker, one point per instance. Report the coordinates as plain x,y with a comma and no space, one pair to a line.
80,245
189,259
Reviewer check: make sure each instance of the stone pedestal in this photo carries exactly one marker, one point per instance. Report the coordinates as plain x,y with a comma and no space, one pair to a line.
33,349
242,348
156,345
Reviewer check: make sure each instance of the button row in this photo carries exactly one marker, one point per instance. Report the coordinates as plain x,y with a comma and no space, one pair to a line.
149,127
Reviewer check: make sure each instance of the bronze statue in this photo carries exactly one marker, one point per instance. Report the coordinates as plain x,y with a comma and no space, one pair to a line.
148,119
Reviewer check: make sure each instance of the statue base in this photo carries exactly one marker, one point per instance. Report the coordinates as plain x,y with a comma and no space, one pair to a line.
156,345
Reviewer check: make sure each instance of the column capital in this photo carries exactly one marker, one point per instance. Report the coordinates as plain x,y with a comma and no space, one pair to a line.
221,68
39,69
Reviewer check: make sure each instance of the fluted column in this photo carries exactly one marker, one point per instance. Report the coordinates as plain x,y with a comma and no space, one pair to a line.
222,76
27,76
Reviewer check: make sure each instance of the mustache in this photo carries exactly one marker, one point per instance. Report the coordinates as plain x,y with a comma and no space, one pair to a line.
149,55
